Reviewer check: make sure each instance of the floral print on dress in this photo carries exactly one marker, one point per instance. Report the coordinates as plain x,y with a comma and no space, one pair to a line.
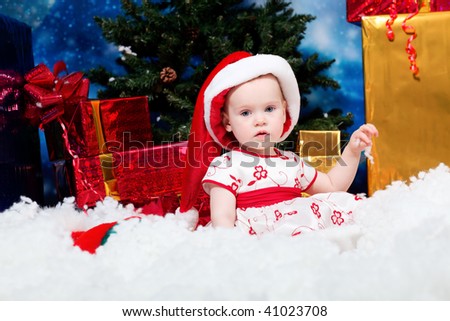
336,218
236,184
259,174
278,215
315,209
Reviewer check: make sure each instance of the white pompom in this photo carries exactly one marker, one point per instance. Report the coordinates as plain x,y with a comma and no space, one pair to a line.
368,154
190,217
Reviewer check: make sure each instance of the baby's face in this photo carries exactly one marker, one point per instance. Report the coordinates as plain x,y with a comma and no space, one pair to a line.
255,113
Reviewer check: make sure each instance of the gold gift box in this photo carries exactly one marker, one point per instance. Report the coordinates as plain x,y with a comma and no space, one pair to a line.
321,149
411,113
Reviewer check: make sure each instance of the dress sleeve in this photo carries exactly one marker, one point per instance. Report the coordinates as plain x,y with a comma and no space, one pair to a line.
222,173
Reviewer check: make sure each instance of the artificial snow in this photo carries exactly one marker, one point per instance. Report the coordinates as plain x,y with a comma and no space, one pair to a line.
398,249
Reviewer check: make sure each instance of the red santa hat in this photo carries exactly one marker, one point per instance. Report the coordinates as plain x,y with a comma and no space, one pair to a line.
208,135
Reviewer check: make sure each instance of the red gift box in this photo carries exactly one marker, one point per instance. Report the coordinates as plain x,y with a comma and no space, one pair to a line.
102,126
152,172
150,178
359,8
111,125
147,177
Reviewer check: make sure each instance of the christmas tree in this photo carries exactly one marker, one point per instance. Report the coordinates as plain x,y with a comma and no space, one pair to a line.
169,47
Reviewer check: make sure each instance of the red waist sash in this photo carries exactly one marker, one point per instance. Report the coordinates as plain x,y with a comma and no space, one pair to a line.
267,196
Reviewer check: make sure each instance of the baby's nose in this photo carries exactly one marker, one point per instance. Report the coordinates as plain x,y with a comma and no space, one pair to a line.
260,119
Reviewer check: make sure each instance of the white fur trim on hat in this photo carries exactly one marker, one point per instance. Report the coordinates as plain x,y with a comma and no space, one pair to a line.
190,217
247,69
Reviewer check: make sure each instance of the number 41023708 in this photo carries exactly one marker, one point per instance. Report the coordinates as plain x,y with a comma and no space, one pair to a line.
295,310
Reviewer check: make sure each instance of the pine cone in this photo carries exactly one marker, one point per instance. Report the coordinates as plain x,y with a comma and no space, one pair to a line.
168,75
192,33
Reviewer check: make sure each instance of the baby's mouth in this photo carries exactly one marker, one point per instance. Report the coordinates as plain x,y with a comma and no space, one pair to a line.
262,135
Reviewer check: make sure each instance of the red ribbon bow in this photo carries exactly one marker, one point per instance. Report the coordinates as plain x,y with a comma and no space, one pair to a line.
48,95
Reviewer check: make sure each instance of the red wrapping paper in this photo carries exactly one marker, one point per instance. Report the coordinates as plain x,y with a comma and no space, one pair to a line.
147,173
88,181
126,123
122,123
359,8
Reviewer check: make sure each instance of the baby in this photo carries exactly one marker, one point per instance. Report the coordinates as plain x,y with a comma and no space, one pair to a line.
247,105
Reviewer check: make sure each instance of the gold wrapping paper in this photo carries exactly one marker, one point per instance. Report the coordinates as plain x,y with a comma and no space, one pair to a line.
319,148
98,125
109,177
411,114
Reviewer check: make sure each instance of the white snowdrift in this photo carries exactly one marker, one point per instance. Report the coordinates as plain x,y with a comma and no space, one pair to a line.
398,249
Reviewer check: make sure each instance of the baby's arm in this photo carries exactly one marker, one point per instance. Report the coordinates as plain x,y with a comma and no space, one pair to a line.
341,176
223,206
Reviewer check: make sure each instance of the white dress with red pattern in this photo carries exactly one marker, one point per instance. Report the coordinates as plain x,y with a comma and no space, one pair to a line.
268,192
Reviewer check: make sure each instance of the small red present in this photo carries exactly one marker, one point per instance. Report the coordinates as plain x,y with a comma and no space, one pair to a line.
147,173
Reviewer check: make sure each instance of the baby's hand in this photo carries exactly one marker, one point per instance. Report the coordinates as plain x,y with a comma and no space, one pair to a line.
361,138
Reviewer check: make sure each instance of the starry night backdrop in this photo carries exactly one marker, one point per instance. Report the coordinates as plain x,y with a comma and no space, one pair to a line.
65,30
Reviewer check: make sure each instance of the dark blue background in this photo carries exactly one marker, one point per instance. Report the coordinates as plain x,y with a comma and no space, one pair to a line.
65,30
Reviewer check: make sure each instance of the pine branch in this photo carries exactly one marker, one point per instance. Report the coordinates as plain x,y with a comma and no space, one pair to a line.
191,37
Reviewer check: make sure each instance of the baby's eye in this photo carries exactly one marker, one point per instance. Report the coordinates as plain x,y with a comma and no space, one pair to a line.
245,113
270,109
